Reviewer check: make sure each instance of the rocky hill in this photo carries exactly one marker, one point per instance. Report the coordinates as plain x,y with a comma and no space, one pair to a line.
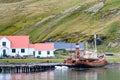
63,20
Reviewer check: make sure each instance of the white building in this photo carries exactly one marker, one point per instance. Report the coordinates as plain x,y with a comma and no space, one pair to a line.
31,49
19,45
44,50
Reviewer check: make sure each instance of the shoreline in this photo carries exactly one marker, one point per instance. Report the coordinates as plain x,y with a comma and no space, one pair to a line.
38,67
39,63
23,61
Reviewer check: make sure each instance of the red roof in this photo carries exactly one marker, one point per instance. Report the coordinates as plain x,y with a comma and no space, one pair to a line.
31,45
44,46
18,41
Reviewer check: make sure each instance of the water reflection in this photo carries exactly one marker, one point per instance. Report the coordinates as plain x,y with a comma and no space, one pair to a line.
49,75
91,74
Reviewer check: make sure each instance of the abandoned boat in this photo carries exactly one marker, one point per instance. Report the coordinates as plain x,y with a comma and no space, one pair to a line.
86,59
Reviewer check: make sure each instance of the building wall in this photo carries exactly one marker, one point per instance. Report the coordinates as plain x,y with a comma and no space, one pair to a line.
31,51
18,52
44,54
5,48
8,50
7,42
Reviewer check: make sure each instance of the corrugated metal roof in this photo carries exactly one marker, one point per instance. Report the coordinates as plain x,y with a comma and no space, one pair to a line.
68,46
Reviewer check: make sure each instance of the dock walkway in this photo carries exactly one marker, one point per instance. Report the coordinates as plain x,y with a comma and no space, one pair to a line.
26,68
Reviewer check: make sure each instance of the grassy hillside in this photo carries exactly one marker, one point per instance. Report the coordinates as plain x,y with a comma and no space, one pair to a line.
9,1
26,13
62,20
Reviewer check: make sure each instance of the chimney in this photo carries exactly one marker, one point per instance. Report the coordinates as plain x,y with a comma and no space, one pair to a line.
77,52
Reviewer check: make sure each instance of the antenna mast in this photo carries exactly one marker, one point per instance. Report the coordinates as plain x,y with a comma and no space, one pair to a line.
95,42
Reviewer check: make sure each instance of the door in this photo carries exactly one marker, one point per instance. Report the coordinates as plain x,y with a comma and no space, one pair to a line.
4,53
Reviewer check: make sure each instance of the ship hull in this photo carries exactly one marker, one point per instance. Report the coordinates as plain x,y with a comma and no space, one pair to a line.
88,63
89,66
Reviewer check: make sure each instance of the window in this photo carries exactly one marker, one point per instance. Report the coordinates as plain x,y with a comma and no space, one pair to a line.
34,53
48,52
13,50
39,52
22,50
3,43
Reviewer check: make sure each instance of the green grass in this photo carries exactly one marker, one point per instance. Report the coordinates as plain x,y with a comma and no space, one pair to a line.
30,60
19,18
112,35
113,59
62,56
114,27
60,59
111,4
9,1
81,22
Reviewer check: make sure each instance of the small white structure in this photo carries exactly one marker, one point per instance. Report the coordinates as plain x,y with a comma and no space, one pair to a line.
44,50
14,45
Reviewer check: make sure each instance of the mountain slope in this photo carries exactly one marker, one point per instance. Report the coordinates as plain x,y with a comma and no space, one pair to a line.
62,20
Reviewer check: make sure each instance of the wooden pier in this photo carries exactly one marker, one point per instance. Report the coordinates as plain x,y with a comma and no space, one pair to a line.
26,68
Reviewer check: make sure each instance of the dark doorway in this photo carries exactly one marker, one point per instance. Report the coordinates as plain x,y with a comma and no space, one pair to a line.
4,53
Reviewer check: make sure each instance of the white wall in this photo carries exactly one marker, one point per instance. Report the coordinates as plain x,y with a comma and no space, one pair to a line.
28,51
5,40
44,54
7,51
18,51
31,50
6,48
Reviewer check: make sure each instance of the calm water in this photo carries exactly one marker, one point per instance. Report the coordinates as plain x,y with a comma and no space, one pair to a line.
108,73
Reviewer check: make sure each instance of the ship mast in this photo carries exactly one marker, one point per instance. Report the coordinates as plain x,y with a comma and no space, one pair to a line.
95,43
71,51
